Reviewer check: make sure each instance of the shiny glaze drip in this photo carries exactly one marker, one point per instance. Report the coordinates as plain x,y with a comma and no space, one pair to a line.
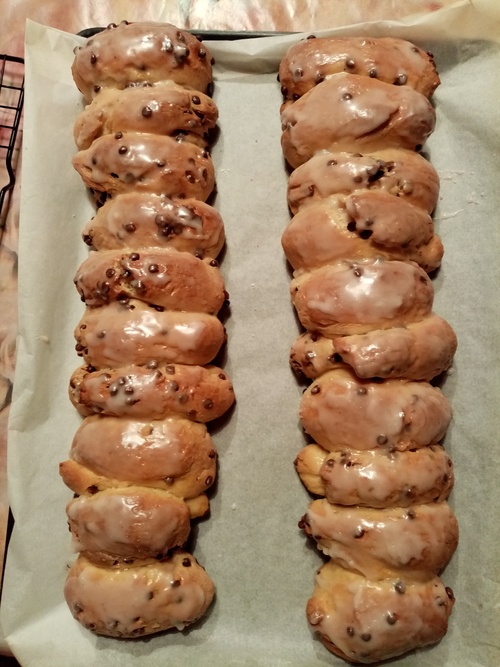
140,450
380,480
395,413
119,334
140,599
131,523
374,541
353,297
403,174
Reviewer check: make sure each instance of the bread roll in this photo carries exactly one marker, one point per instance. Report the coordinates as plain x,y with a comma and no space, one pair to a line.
365,478
387,59
140,219
162,277
134,162
173,454
134,53
401,173
361,225
354,297
341,411
365,621
418,351
351,113
200,393
164,108
118,334
134,600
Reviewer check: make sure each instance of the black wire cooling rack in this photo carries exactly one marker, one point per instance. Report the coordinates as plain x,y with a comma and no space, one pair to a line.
11,105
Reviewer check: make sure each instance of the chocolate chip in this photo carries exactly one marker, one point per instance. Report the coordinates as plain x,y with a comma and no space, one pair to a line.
129,227
350,631
382,439
147,112
118,135
195,99
208,404
400,587
366,636
134,256
358,533
153,268
122,150
110,273
209,480
347,96
350,63
365,233
186,562
372,73
315,389
391,617
176,583
93,58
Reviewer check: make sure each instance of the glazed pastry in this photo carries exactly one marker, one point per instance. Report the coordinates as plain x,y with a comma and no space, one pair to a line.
402,173
138,599
200,393
396,414
387,59
135,522
363,224
364,621
376,542
163,277
173,454
140,219
357,296
350,113
131,161
134,53
418,351
136,333
164,108
365,478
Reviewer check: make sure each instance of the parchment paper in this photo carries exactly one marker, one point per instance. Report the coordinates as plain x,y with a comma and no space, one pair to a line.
261,563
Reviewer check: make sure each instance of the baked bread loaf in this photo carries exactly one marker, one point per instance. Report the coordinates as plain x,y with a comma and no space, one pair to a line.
163,277
131,161
351,113
142,460
141,219
402,173
200,393
145,52
361,225
136,599
418,351
163,108
361,243
364,478
387,59
137,333
365,621
357,296
173,454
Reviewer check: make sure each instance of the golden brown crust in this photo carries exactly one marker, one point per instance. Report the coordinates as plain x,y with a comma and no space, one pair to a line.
401,173
133,53
142,219
367,621
138,599
361,225
163,108
163,277
354,297
353,113
419,351
387,59
174,454
367,478
130,161
200,393
136,333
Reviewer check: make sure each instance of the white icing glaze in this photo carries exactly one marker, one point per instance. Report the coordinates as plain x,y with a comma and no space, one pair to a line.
139,451
346,111
380,479
117,334
396,413
421,537
402,173
371,292
370,620
131,523
140,599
